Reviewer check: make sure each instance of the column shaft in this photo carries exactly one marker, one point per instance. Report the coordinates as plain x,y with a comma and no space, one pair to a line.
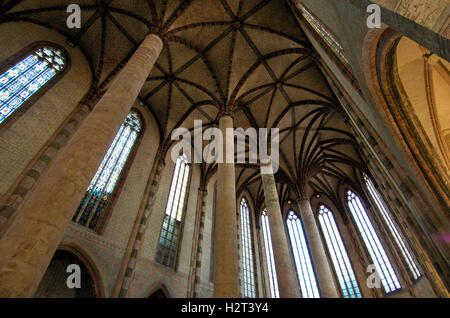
226,275
287,280
30,242
320,261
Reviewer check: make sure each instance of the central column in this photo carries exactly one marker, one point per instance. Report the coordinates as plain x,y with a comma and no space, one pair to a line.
226,275
320,261
30,242
287,280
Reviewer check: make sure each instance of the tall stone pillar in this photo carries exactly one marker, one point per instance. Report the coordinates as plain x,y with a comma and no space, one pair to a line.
320,261
30,242
287,279
226,275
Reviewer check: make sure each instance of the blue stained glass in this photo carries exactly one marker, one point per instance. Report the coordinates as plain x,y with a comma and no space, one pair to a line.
102,185
24,79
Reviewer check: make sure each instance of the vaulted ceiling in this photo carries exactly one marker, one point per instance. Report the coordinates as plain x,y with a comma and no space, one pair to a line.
245,56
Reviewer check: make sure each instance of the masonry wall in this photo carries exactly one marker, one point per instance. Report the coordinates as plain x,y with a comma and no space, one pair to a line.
149,274
348,22
206,271
107,250
26,134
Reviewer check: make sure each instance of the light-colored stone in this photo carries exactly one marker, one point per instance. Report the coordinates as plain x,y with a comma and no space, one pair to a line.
319,256
226,276
29,243
287,281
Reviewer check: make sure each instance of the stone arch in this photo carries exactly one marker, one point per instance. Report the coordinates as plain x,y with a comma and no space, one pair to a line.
22,54
106,215
53,112
245,194
92,285
394,104
379,57
159,289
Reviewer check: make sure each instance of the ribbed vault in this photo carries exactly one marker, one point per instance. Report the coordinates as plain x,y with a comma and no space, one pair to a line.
248,57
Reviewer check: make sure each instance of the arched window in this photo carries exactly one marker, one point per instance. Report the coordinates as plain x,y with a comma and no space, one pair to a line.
393,229
273,281
169,239
247,266
376,251
25,78
103,184
338,253
303,263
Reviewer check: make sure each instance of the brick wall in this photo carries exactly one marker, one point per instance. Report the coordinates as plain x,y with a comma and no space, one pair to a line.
26,135
107,250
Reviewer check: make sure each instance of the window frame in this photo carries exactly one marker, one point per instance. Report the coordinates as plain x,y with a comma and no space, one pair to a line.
386,228
376,228
175,264
338,228
17,58
115,193
252,245
265,259
285,220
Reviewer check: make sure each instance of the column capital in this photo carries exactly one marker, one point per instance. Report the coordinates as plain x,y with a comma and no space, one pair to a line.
302,197
157,34
266,162
225,113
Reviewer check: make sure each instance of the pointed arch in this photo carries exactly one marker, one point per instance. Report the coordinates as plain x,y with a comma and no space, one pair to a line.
270,261
159,291
27,75
394,230
302,257
53,284
170,235
338,253
95,206
247,255
375,249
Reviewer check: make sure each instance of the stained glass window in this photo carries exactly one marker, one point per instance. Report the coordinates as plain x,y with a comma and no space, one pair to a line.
393,229
323,32
102,185
384,269
169,238
25,78
303,263
273,281
341,262
247,266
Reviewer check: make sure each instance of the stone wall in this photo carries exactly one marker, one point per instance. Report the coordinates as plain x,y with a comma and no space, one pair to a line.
27,133
107,249
148,272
